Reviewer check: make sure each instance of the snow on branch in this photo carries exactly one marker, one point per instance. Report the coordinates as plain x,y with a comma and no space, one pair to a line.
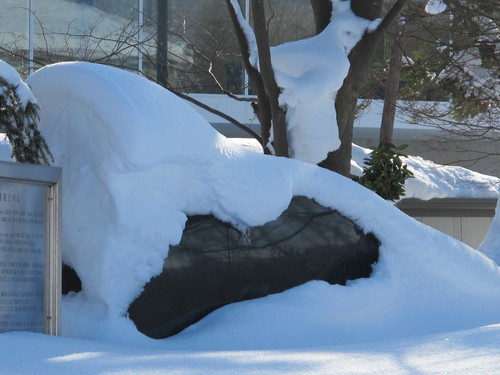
19,116
248,32
435,6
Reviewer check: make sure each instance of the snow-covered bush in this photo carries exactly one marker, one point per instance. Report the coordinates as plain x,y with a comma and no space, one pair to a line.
19,117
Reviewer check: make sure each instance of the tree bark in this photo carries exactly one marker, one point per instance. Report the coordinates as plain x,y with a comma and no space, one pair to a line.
361,58
262,107
392,86
280,142
322,14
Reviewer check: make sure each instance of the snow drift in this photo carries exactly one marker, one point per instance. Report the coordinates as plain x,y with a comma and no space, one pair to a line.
433,180
136,160
491,244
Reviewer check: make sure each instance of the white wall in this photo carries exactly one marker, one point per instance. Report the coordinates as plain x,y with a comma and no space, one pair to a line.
470,230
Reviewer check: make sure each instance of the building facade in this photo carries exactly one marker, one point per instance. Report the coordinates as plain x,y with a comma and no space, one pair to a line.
190,42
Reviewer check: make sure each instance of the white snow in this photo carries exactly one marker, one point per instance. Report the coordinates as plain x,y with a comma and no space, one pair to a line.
469,352
310,72
430,180
136,160
433,180
12,77
435,6
5,149
249,34
491,244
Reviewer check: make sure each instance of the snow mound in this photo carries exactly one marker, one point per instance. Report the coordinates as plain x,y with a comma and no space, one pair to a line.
439,181
5,148
433,180
136,160
491,244
430,180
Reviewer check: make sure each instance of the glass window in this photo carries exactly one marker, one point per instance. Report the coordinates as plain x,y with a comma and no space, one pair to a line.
103,31
14,21
203,52
289,20
189,43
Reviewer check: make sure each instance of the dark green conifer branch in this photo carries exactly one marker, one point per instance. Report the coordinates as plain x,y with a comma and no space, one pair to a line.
19,121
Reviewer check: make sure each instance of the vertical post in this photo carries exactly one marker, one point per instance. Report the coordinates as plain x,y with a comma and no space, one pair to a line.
140,23
31,33
52,298
162,42
392,86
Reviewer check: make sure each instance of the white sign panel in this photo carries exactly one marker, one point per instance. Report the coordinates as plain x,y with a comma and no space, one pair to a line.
29,255
22,256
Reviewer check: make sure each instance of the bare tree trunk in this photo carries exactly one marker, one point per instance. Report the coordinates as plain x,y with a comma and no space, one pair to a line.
280,142
262,107
392,86
361,58
346,101
322,14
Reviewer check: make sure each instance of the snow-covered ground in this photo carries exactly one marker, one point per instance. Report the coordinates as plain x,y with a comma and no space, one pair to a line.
137,160
470,352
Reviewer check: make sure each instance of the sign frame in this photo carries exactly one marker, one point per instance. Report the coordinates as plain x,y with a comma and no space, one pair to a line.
50,177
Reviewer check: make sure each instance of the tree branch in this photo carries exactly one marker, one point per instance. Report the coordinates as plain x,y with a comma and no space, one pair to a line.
218,113
262,108
391,16
268,79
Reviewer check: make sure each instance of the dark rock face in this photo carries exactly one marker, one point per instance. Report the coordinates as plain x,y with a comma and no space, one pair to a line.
70,280
215,264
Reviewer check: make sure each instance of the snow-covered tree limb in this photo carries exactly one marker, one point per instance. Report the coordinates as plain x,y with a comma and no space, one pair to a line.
19,116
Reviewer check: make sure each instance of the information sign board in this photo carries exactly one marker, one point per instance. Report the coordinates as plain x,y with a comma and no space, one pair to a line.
30,263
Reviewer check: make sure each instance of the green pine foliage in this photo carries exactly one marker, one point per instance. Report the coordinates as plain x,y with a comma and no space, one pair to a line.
19,121
385,172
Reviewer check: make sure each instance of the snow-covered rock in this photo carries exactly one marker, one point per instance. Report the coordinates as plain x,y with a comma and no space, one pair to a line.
136,160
